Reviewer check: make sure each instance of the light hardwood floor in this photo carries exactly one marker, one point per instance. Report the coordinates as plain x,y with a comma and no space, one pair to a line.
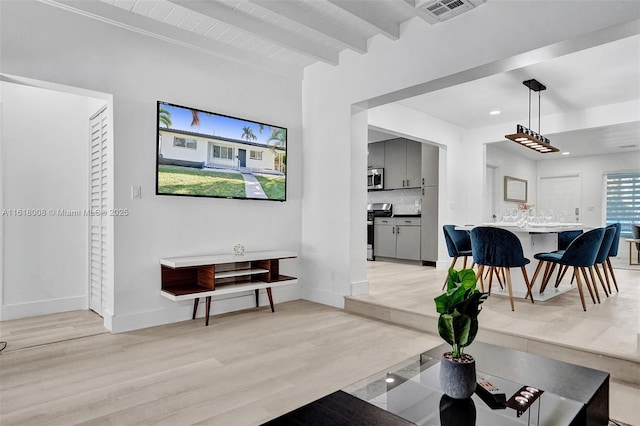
244,369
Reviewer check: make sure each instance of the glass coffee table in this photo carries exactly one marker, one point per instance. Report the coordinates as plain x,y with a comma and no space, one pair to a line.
408,393
411,391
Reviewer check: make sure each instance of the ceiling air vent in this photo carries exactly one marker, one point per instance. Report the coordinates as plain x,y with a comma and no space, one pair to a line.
441,10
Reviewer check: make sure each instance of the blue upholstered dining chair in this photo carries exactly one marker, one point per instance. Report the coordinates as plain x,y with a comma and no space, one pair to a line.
565,238
601,258
613,252
458,245
580,254
499,249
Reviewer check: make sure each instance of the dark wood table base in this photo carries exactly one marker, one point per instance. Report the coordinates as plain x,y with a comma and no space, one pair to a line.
196,301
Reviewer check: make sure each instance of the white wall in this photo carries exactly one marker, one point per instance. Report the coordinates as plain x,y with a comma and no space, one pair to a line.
45,153
46,43
509,164
592,170
422,55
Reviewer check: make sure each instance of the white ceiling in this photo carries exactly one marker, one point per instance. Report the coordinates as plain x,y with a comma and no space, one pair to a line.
286,36
604,75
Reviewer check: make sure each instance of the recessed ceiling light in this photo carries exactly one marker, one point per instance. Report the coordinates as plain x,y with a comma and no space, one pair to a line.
494,112
566,153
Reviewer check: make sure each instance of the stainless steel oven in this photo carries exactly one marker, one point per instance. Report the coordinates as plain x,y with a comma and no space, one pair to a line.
375,178
375,210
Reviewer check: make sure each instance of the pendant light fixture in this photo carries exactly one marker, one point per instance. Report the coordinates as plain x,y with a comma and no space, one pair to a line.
526,137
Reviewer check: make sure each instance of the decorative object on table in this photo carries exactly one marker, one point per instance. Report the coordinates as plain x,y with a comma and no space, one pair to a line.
523,399
459,307
491,394
525,207
238,250
457,412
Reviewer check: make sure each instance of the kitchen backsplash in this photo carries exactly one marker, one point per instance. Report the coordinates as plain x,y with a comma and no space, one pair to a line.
404,201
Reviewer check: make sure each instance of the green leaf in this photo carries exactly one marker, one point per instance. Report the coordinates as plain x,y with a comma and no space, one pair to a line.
445,328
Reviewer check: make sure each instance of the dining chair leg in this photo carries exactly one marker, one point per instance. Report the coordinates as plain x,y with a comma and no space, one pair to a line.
576,274
613,275
526,281
453,263
606,276
602,283
508,274
535,274
545,278
593,281
561,275
586,281
479,277
464,263
548,271
491,271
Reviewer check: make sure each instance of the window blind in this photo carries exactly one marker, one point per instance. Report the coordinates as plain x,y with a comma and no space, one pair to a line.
623,200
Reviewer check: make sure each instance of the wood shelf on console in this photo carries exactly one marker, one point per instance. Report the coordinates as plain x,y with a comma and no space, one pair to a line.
240,272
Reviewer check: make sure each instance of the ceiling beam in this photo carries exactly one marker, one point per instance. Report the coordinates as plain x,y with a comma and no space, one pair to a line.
248,24
327,27
369,13
122,18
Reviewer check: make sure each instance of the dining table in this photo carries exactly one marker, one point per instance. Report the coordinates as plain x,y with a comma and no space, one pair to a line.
534,238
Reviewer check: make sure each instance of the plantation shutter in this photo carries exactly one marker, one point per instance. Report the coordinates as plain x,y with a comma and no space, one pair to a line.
623,200
98,204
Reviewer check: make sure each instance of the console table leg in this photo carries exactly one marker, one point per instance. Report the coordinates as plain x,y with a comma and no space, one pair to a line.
257,300
270,298
195,307
208,310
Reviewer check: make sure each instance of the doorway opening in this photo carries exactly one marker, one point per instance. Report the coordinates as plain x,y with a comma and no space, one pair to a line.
48,159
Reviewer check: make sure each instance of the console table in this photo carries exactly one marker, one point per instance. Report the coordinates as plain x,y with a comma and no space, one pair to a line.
193,277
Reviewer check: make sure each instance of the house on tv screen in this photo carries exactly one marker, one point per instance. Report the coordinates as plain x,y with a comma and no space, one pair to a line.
199,150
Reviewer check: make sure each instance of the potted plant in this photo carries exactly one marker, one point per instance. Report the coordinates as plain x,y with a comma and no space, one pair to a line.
459,307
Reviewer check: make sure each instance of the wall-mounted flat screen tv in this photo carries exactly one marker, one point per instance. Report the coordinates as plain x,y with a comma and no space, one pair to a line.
204,154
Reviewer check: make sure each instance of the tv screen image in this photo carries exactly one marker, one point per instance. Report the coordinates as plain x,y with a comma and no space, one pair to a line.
204,154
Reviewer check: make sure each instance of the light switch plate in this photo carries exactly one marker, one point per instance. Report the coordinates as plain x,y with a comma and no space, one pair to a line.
136,192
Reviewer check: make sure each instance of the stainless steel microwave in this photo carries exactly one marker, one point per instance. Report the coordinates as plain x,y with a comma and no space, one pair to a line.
375,179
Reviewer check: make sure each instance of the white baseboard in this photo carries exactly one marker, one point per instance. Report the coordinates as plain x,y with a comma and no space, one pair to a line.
183,310
359,287
324,297
42,307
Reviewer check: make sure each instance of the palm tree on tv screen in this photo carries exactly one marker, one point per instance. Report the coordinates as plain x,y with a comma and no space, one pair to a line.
247,134
164,116
279,136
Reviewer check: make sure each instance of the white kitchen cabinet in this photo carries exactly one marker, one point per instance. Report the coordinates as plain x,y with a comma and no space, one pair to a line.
397,237
375,158
430,161
384,237
408,238
402,164
429,224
